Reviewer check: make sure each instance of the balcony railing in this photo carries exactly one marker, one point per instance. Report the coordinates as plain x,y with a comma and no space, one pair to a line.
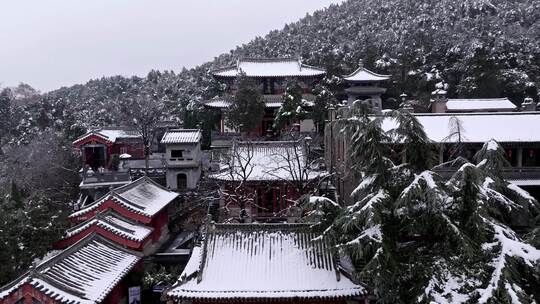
514,173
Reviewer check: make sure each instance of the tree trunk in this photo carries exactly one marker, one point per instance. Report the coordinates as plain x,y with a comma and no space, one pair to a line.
146,160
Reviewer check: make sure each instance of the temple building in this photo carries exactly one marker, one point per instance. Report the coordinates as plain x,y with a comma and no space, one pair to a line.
92,270
263,263
440,104
184,158
514,131
106,244
113,226
113,157
98,148
270,74
139,206
366,85
267,176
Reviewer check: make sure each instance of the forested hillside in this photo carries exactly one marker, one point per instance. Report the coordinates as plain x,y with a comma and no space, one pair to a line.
478,47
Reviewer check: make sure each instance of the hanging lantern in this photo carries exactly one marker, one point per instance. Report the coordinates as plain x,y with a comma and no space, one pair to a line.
509,152
531,153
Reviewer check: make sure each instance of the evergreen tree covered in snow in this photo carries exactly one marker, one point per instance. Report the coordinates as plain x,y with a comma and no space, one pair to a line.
27,229
324,98
5,112
416,237
247,109
292,109
38,183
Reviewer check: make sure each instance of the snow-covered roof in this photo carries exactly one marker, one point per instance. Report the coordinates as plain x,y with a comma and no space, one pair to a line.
218,103
109,134
182,136
267,161
115,223
270,67
479,127
526,182
264,261
84,273
480,104
142,196
363,74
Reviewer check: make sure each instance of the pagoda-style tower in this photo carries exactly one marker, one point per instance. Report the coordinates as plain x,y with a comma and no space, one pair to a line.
270,74
365,85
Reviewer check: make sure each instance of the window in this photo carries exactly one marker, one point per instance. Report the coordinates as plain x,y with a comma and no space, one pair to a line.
177,153
123,150
181,181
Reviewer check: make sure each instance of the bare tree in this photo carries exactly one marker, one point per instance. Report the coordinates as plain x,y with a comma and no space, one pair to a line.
456,137
294,168
240,167
144,111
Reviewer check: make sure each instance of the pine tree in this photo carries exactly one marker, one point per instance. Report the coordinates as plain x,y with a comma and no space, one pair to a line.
324,98
416,237
247,109
292,109
6,99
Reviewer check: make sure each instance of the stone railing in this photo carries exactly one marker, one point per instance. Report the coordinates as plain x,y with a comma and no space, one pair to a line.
104,178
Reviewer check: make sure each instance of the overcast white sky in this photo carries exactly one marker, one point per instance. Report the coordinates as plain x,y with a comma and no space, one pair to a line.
54,43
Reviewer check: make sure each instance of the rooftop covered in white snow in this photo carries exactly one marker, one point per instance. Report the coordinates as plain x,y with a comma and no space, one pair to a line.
514,127
270,67
264,262
114,223
84,273
143,196
480,104
267,161
111,134
364,75
182,136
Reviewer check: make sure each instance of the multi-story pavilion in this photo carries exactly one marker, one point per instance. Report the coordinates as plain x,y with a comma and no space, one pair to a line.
366,85
270,74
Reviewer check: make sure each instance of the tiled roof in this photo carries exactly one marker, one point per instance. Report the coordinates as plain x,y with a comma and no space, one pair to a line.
84,273
115,223
363,74
182,136
264,261
143,196
270,67
267,161
479,127
110,134
479,104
